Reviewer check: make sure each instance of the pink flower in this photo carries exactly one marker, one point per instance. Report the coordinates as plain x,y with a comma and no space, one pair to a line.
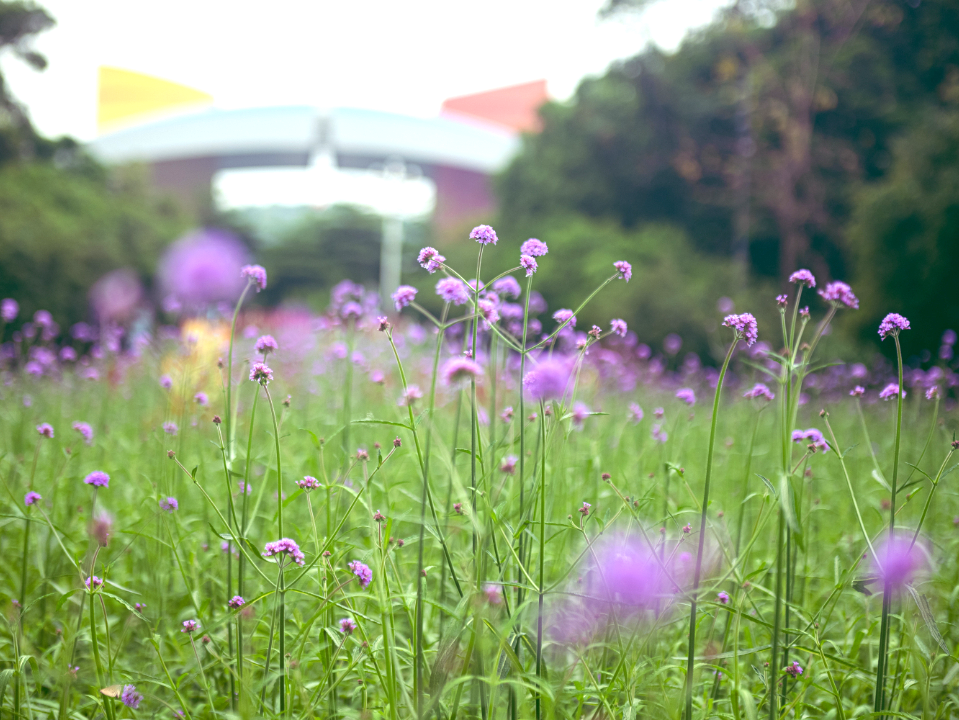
618,327
839,294
430,259
528,263
254,274
483,234
892,324
534,247
744,325
624,268
803,277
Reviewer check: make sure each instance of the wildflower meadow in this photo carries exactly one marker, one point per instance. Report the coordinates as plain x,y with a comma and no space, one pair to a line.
487,511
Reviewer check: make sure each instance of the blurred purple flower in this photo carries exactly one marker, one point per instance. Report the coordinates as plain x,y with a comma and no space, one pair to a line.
9,309
255,274
361,571
507,286
803,277
483,234
403,296
547,380
460,370
624,268
839,294
534,247
203,267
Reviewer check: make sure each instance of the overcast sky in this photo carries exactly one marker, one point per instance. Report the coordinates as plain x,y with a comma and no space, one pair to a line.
404,57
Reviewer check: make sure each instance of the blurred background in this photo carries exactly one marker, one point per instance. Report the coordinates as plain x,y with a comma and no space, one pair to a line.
148,150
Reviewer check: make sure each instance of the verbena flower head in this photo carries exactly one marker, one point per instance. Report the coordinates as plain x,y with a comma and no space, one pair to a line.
282,549
403,296
483,234
547,380
9,309
85,430
265,344
97,478
130,697
430,259
624,268
101,528
189,626
308,483
410,395
533,247
723,597
563,315
625,578
361,571
839,294
794,670
890,391
93,582
31,498
932,393
658,434
579,414
347,626
453,290
45,430
759,390
508,465
507,286
166,382
686,395
170,428
236,602
892,324
618,327
584,510
169,504
528,263
635,413
899,560
255,274
744,325
489,311
803,277
261,373
493,593
201,399
460,370
782,300
857,391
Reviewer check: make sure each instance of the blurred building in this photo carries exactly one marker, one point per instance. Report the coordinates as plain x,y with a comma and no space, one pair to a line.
186,143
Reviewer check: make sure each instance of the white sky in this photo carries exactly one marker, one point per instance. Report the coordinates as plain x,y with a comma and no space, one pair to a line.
404,57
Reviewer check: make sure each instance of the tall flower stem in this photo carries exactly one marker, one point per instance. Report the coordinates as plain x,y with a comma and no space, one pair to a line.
473,409
279,522
887,587
690,660
542,556
230,422
107,706
348,391
26,538
206,683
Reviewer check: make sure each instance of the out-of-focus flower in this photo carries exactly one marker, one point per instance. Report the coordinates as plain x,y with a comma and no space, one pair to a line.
759,390
635,413
97,478
170,428
782,300
410,395
672,344
93,582
932,393
528,263
403,296
507,286
9,309
203,267
265,344
169,504
201,399
508,465
794,670
85,430
534,247
130,697
347,626
493,593
579,415
839,294
31,498
45,430
659,435
890,391
857,391
618,327
101,528
452,290
803,277
686,395
261,373
308,483
189,626
116,296
723,597
566,316
547,380
255,274
236,602
483,234
460,370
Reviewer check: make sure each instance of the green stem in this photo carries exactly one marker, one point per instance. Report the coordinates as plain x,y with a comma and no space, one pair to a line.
690,660
542,557
230,425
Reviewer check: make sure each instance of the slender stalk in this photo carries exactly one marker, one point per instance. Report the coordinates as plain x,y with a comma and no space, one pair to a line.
230,424
542,556
206,684
279,521
690,659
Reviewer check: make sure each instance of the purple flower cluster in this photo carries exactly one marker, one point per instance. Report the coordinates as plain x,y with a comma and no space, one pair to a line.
189,626
9,309
201,399
265,344
528,263
236,602
548,380
483,234
899,560
890,391
686,395
169,504
803,277
744,325
170,428
31,498
430,259
97,478
618,327
261,373
254,274
460,370
347,626
308,483
93,582
565,316
361,571
45,430
839,294
635,413
892,324
759,390
534,247
85,430
284,547
403,296
508,465
453,291
794,670
507,286
130,697
624,268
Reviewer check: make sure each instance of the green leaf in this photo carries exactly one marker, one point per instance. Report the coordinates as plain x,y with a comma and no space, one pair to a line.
768,484
928,618
877,476
381,422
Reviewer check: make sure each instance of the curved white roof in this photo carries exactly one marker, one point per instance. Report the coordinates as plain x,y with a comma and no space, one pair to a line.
296,133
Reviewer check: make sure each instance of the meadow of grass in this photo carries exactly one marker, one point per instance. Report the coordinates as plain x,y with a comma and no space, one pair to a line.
457,548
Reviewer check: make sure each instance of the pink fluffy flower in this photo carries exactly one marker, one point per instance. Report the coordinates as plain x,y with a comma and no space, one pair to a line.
803,277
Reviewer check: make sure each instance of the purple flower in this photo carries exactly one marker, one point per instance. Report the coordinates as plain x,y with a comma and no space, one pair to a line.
101,528
68,354
744,325
489,311
255,274
189,626
170,428
565,316
534,247
284,547
659,435
453,291
165,382
403,296
794,670
839,294
130,697
203,267
618,327
460,370
169,504
261,373
85,430
892,324
236,602
782,300
97,478
579,415
759,390
308,483
493,593
9,309
361,571
528,263
507,286
949,337
93,582
31,497
686,395
201,399
508,465
625,577
265,344
45,430
347,626
624,268
723,597
899,560
659,413
635,413
857,391
410,395
672,344
507,414
932,392
803,277
547,380
891,390
483,234
430,259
